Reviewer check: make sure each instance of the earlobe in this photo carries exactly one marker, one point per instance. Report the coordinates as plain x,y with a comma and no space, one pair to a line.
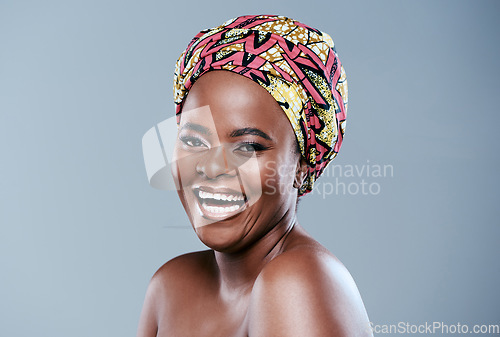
300,173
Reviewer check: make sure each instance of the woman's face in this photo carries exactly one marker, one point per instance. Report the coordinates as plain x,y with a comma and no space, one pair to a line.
235,161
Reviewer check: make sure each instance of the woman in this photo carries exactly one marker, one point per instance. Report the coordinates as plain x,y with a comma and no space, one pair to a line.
261,103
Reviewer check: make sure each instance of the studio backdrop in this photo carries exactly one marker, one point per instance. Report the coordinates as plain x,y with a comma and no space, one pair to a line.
410,205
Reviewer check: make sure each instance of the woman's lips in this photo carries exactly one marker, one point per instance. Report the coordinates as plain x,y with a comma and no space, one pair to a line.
217,204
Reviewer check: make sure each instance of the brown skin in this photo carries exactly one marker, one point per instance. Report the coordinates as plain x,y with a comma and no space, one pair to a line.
264,275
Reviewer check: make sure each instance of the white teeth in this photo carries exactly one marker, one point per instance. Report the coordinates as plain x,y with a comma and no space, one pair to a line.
220,196
219,210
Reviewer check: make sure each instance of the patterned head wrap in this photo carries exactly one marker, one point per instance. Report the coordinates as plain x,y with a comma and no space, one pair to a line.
296,64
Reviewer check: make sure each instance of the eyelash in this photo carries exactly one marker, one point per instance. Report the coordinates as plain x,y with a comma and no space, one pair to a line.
257,147
187,139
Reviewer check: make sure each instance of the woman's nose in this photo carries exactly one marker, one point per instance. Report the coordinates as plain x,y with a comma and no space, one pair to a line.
214,163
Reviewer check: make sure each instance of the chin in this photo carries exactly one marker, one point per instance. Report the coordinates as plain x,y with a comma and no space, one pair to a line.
220,215
222,236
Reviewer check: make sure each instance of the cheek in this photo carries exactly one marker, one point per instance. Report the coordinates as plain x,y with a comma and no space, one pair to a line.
278,176
250,179
184,168
265,176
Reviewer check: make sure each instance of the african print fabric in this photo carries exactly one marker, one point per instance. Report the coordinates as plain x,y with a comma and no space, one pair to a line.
298,65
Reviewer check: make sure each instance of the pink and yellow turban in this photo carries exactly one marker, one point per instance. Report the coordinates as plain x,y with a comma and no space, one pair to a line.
296,64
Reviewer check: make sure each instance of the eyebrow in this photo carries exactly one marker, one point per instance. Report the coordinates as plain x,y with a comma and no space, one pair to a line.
197,127
250,131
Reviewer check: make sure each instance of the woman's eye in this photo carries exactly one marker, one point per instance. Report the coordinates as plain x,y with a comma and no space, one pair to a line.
247,148
251,148
192,141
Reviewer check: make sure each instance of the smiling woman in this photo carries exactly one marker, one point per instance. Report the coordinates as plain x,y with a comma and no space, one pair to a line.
257,138
261,103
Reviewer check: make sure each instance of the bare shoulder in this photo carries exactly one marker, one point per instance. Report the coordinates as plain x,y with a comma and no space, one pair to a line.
184,265
181,273
307,291
166,287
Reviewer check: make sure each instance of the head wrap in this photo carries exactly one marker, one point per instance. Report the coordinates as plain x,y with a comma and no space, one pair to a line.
296,64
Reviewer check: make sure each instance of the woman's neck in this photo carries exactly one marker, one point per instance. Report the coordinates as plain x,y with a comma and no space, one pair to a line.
238,270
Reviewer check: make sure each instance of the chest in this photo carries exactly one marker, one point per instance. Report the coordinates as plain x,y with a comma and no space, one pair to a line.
205,316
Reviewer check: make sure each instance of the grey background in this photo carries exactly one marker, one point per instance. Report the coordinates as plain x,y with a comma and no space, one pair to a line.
81,231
